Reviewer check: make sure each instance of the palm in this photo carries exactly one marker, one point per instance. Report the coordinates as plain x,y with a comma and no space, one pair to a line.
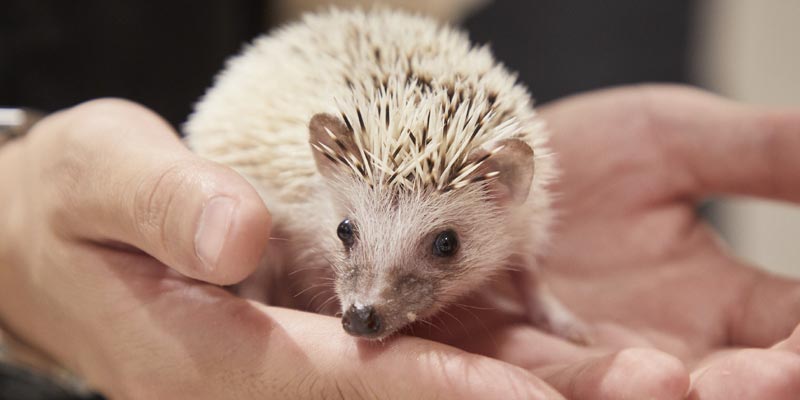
630,254
631,251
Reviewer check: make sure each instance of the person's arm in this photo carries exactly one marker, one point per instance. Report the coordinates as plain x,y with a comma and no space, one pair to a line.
113,240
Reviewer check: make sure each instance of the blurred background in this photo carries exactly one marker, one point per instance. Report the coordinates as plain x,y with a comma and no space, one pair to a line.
747,50
54,54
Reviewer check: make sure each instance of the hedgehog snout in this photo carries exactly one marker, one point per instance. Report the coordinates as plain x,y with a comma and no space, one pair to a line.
362,321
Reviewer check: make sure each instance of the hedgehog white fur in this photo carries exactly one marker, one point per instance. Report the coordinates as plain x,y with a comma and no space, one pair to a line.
398,126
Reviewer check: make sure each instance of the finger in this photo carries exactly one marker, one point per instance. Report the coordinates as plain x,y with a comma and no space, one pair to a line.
627,374
232,348
130,179
708,145
726,146
428,370
513,345
766,310
748,374
409,367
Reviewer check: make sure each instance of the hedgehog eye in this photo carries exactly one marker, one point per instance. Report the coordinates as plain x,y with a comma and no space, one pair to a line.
445,244
345,232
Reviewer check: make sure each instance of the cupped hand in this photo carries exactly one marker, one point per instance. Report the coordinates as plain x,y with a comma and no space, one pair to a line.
113,241
673,312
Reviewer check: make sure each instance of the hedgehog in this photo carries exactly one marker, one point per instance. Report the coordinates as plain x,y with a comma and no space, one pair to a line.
403,166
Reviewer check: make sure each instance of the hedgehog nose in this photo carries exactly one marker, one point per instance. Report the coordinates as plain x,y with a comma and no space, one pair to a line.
361,321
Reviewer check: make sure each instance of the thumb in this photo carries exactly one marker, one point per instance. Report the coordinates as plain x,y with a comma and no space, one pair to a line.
131,180
637,373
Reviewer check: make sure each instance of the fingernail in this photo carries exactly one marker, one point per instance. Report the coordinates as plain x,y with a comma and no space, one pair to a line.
215,222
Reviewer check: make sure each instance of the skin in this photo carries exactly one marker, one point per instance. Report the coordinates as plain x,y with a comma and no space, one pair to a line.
664,299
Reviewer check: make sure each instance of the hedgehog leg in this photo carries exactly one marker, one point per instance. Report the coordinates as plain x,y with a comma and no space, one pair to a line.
547,312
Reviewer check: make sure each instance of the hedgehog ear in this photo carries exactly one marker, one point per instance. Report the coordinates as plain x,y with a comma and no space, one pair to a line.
329,138
509,166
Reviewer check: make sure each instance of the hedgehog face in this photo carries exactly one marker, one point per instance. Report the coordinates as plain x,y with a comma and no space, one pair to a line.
403,256
405,251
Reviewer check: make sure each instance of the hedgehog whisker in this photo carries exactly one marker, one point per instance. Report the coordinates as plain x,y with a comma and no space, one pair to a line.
305,269
444,324
325,303
316,286
311,301
457,320
431,325
480,322
465,306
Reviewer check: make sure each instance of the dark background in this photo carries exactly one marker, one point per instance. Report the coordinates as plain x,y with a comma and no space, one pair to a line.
54,54
561,47
163,54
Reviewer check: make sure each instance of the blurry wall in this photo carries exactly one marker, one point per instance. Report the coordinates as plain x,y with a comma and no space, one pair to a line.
749,50
563,47
745,49
445,10
55,54
558,47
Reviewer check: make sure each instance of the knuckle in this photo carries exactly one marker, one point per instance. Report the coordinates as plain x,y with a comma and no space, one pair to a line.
769,141
666,375
155,195
111,107
71,144
72,124
61,184
649,98
101,119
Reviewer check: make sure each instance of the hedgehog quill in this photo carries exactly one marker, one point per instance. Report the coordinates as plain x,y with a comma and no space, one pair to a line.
403,168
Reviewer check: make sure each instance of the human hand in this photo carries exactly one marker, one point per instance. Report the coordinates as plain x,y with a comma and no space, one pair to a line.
111,229
631,256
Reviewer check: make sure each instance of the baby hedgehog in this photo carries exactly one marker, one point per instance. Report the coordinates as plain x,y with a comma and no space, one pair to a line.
403,168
